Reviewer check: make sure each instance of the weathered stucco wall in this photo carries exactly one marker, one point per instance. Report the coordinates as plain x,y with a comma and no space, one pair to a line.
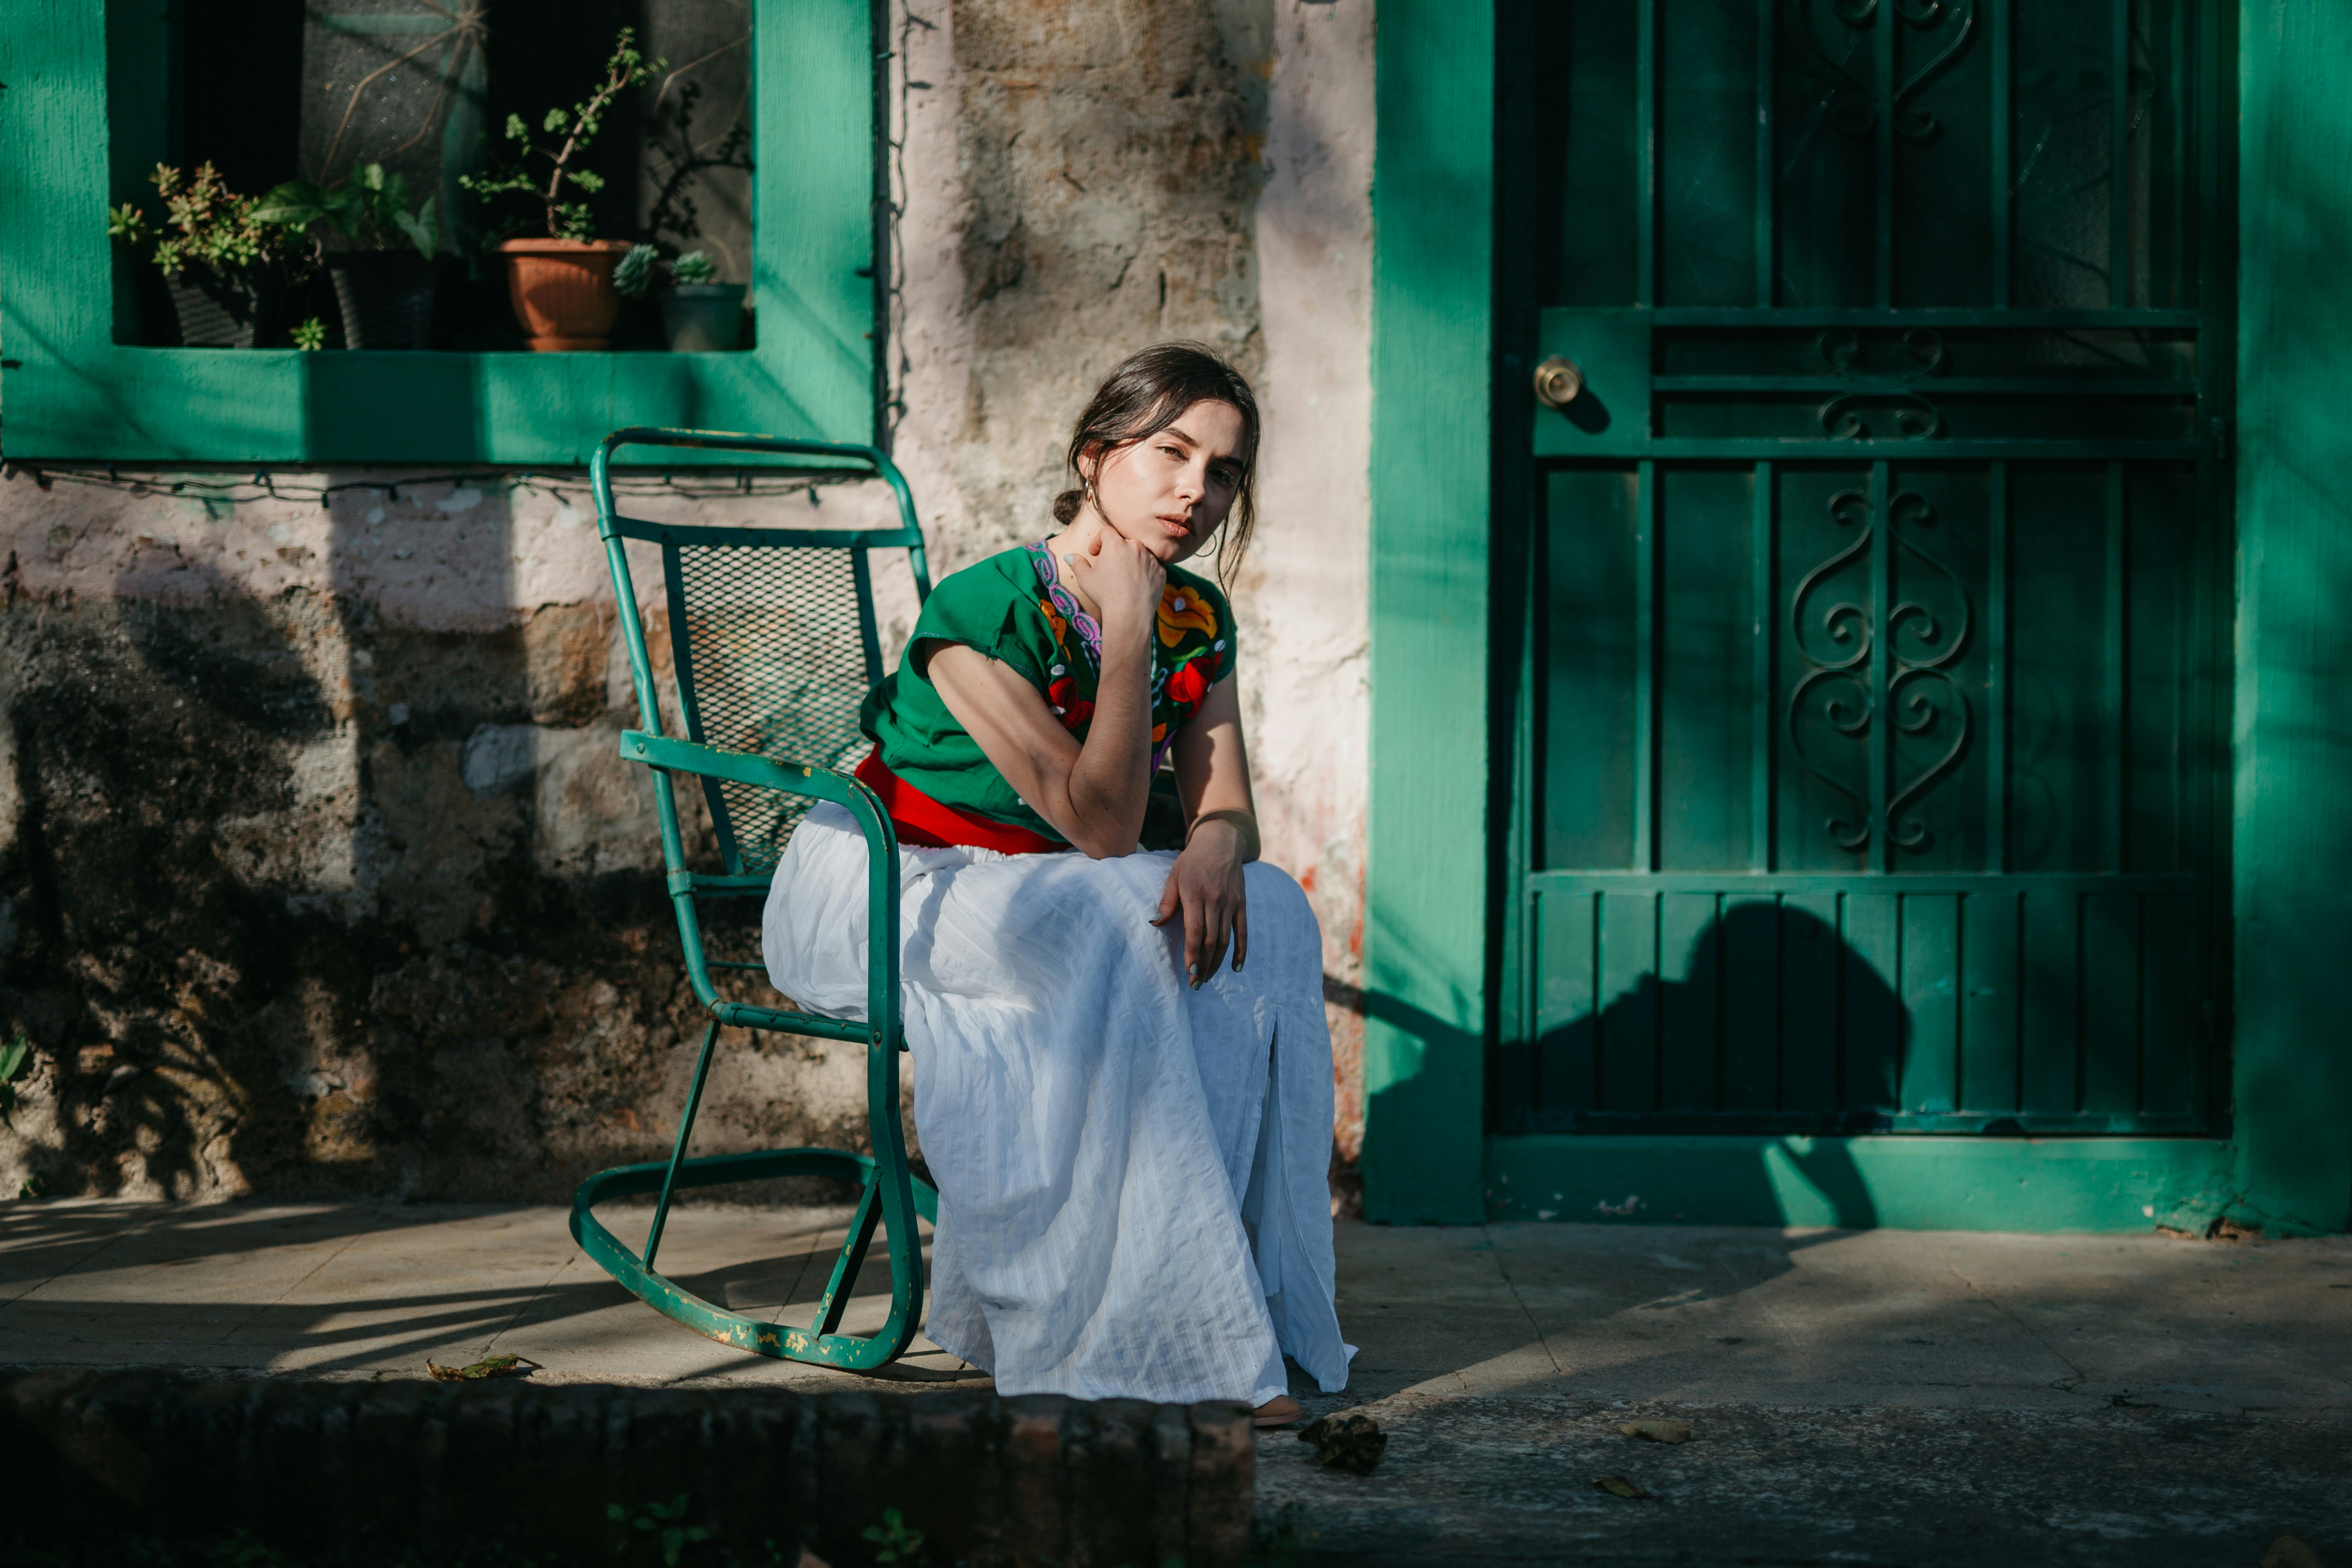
1081,180
319,870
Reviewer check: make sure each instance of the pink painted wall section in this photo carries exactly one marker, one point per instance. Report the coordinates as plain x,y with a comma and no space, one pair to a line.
1307,592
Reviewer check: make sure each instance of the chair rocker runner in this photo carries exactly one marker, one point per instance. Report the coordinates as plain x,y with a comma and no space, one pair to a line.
774,639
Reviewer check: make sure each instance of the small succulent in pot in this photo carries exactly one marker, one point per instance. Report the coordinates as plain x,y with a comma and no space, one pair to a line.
562,285
226,265
700,314
634,273
384,278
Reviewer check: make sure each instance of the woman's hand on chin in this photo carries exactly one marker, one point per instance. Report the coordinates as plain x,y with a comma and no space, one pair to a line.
1122,578
1206,887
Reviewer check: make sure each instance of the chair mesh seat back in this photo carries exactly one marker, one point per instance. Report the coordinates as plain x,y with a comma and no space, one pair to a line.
776,648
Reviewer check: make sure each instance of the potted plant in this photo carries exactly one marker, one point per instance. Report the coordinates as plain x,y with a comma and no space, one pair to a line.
562,284
700,314
384,283
227,267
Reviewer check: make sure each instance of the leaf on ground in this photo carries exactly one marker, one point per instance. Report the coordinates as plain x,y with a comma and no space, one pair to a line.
1618,1486
2286,1551
489,1366
1348,1442
1656,1431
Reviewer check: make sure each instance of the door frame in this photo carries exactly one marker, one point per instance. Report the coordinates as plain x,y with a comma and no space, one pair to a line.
1448,478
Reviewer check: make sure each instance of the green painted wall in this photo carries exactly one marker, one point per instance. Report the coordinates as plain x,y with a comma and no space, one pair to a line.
2292,835
75,393
1425,925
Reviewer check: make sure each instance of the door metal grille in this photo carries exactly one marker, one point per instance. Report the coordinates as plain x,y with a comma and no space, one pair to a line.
1874,753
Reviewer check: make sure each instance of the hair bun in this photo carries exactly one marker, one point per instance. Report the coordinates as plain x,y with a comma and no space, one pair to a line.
1065,506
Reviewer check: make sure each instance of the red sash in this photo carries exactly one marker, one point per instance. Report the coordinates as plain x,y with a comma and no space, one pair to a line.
920,820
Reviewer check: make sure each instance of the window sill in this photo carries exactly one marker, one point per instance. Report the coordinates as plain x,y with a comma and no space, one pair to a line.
284,406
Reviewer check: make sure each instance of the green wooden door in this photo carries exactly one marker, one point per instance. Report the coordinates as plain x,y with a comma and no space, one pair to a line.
1875,736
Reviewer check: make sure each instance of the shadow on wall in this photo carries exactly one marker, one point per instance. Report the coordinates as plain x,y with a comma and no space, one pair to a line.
1665,1056
1775,1018
305,897
154,744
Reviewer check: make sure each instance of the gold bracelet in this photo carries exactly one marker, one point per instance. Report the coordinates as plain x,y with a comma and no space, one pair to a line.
1236,817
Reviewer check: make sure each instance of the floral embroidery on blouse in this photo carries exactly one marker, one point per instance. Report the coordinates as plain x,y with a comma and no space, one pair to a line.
1189,682
1183,667
1065,603
1181,612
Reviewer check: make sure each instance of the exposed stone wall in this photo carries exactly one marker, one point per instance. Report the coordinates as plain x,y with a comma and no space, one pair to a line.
318,868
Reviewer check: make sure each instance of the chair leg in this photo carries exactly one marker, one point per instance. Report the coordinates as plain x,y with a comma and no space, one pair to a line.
853,1252
678,1152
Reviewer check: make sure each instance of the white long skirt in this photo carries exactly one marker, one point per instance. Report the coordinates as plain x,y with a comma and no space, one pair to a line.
1133,1200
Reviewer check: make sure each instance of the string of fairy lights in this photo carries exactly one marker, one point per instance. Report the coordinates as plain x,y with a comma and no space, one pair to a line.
695,484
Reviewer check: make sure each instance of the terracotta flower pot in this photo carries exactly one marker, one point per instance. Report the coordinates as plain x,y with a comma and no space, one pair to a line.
563,291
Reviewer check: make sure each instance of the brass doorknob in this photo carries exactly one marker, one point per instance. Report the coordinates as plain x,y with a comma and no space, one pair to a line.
1558,381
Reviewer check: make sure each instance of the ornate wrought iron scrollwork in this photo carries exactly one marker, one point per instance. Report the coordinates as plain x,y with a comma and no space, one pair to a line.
1844,351
1913,677
1847,417
1846,623
1854,108
1917,648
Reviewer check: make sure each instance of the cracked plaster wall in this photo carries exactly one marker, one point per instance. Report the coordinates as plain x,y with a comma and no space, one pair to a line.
319,871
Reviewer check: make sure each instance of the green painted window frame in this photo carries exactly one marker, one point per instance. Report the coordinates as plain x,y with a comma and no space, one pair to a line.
70,392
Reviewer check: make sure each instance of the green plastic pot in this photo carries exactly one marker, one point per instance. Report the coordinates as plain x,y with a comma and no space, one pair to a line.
703,318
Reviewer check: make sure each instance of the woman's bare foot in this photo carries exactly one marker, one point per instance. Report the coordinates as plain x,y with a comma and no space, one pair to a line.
1280,1411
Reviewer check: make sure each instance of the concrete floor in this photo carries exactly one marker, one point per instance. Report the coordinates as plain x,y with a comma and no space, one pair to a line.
1881,1397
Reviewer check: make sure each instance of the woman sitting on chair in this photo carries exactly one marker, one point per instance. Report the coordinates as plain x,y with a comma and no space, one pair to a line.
1129,1136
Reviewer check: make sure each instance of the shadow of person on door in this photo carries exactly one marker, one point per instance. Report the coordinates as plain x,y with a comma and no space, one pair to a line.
1769,1022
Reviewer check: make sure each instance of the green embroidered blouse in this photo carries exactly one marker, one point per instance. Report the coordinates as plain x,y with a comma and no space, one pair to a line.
1014,607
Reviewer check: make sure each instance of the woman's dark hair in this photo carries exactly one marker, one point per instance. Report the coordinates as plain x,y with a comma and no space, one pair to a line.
1143,397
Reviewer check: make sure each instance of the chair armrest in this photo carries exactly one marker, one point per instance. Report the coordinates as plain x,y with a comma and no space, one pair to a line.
671,756
749,768
740,767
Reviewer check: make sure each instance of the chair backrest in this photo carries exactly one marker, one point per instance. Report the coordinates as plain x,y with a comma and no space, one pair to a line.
773,632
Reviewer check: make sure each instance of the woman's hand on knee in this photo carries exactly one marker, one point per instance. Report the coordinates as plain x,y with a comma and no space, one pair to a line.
1206,888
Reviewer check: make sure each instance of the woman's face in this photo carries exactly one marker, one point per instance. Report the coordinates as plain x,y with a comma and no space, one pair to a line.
1170,491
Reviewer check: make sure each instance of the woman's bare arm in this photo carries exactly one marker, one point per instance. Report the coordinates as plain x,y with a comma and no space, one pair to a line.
1020,735
1220,836
1093,794
1213,767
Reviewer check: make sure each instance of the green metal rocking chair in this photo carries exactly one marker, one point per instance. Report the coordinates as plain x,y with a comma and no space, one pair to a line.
774,638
